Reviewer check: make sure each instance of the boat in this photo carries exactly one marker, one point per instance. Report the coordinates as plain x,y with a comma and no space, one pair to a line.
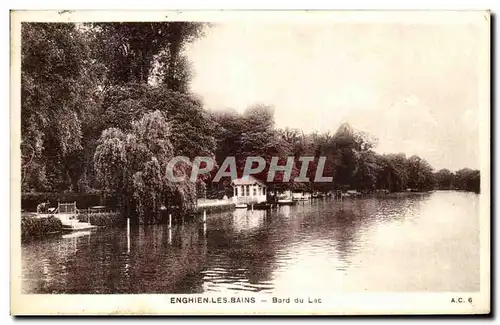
76,225
286,202
317,195
241,206
76,234
301,196
262,206
351,193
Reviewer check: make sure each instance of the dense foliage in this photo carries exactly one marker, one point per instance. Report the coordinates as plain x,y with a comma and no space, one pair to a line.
106,105
58,100
464,179
35,227
29,201
101,219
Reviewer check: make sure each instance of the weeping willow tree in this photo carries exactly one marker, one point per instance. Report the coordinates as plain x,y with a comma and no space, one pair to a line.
133,165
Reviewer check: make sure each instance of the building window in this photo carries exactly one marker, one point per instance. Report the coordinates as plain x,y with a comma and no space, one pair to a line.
248,190
236,191
254,191
263,191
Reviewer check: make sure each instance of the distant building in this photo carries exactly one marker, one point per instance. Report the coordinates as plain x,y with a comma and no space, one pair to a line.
248,189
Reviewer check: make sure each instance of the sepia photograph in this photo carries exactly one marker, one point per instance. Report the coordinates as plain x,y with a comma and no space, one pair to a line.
250,162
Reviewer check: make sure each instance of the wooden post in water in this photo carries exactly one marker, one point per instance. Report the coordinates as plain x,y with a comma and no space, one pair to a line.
252,207
204,223
128,235
169,221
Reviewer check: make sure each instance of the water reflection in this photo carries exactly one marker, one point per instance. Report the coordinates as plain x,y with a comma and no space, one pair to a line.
406,244
246,220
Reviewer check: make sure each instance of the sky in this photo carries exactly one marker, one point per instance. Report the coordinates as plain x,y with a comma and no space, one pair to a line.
414,87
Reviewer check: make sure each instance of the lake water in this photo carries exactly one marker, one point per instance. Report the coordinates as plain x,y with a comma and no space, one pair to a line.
418,243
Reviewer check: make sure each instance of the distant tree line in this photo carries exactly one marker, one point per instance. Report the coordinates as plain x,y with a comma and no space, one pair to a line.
351,159
464,179
106,105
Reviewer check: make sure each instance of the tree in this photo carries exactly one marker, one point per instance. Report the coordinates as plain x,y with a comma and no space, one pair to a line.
249,134
111,160
295,141
134,165
137,52
58,94
468,180
444,179
420,174
367,170
349,154
394,174
192,128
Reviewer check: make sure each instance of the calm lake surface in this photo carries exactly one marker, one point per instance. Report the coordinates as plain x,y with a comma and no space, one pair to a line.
418,243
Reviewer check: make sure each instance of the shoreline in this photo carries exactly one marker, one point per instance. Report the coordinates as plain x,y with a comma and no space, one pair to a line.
38,228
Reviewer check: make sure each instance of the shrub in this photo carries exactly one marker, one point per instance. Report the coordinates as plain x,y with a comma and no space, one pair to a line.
36,227
102,218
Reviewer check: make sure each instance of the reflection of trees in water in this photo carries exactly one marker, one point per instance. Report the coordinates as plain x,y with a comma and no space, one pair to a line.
52,266
245,221
340,225
249,249
345,231
241,248
163,258
358,216
103,264
330,227
45,263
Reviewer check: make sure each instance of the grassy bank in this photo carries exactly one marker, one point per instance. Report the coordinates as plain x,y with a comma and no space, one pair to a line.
215,206
39,227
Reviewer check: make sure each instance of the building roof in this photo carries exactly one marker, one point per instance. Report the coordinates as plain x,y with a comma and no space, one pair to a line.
247,180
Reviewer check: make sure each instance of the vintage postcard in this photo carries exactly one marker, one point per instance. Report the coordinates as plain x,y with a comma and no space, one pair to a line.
250,163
